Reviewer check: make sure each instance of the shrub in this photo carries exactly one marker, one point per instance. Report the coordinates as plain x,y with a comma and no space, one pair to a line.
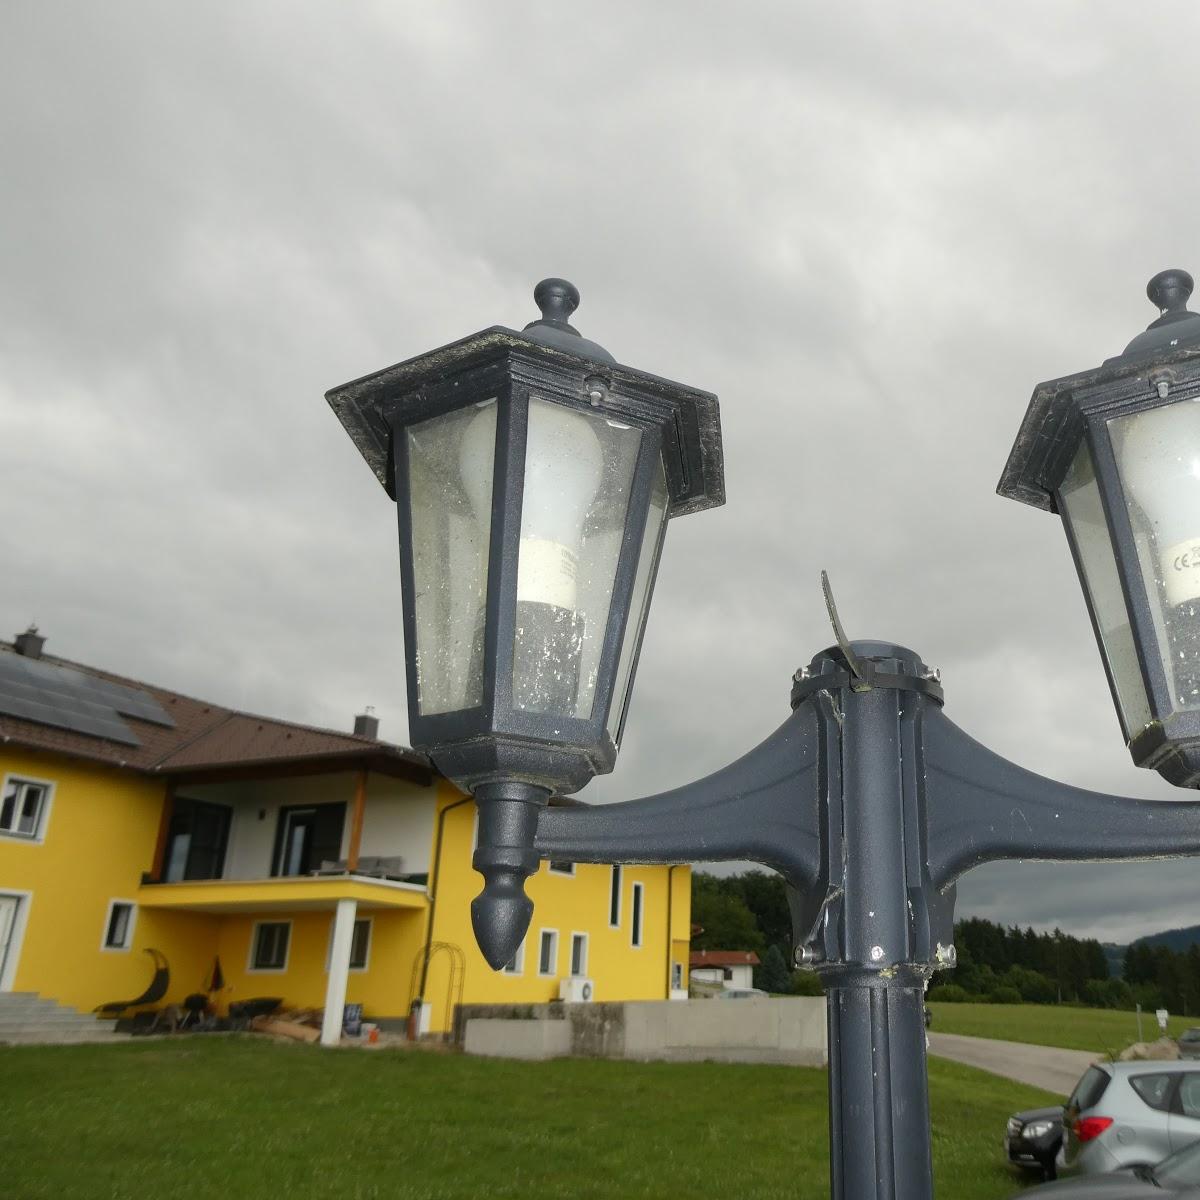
1005,995
950,993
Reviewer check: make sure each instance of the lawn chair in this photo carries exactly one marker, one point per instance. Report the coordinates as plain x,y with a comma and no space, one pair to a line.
152,995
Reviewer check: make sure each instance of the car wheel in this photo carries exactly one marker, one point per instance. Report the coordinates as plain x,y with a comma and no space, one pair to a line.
1049,1172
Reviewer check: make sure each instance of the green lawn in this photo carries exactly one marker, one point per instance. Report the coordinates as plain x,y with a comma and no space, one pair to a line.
242,1118
1098,1029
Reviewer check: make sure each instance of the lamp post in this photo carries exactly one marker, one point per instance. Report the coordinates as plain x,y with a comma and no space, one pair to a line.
868,799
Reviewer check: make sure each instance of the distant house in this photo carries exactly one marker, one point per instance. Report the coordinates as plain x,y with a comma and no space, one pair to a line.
317,866
732,968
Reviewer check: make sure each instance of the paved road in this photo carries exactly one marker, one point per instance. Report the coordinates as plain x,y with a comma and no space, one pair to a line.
1042,1066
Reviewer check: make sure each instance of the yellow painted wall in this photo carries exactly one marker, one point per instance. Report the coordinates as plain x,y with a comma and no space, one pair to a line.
568,904
382,989
99,837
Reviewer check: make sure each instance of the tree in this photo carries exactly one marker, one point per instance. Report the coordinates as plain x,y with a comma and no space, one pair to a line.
725,921
773,975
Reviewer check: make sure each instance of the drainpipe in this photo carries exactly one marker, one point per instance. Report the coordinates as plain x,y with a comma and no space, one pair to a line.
670,897
435,883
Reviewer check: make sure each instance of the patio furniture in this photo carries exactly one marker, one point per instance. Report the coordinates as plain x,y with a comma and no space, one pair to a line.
152,995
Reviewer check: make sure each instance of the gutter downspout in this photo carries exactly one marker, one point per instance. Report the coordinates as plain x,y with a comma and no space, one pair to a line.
670,897
435,884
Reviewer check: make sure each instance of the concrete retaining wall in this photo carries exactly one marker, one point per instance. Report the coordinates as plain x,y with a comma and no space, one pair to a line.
775,1029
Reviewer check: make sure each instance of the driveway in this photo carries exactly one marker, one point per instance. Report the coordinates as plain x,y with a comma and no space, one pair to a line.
1046,1067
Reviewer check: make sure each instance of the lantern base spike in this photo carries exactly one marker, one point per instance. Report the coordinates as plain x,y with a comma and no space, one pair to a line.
505,857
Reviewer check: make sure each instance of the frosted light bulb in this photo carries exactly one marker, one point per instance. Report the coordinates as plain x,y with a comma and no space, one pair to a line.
1160,468
563,463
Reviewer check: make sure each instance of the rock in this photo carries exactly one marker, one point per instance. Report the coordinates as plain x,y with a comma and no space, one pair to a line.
1162,1050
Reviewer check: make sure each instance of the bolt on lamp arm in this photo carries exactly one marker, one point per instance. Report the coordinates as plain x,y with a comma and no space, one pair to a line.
983,808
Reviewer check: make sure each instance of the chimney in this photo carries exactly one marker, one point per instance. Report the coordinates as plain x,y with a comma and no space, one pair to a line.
30,643
367,724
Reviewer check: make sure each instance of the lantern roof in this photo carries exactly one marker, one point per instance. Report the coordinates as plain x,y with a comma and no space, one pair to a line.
369,407
1168,351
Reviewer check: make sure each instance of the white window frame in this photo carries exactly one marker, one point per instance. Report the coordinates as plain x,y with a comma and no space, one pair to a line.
515,965
329,945
560,867
251,969
616,882
637,915
108,915
676,975
16,936
38,836
577,937
553,972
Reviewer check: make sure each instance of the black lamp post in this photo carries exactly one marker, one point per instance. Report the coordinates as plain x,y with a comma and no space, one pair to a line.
867,799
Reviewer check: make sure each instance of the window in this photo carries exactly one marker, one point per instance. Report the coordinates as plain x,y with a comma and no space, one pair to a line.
676,976
635,937
1188,1096
23,808
118,925
614,899
548,952
579,947
269,946
516,964
1089,1089
360,944
562,868
196,840
1154,1089
307,837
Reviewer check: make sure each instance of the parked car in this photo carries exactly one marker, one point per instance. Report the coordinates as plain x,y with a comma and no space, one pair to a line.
741,993
1189,1043
1180,1173
1033,1138
1131,1114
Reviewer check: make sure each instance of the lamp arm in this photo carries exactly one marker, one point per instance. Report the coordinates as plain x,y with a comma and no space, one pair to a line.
763,807
982,808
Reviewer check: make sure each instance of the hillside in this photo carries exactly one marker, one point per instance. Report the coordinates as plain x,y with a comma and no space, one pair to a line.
1178,940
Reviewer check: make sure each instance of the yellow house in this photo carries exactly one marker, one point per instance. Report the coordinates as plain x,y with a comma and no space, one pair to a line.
314,866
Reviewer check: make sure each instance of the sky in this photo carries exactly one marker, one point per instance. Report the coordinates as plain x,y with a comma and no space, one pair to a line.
870,228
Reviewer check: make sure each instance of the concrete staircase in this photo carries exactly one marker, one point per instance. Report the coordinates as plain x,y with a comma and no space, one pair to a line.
28,1019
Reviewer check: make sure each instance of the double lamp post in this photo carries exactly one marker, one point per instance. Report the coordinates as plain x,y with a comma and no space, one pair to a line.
534,478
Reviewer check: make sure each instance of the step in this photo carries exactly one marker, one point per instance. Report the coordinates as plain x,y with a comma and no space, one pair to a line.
36,1006
76,1037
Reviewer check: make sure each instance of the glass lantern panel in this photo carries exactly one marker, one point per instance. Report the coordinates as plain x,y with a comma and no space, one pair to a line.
451,460
578,473
1079,497
1158,459
639,605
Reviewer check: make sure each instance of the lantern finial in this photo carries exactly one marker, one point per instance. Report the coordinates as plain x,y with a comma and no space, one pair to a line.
558,299
1169,291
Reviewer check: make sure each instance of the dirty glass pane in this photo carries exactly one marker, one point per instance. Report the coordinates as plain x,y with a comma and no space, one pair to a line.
578,471
1158,459
639,606
1079,497
450,463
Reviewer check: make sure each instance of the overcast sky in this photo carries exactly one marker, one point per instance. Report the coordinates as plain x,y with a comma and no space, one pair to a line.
870,228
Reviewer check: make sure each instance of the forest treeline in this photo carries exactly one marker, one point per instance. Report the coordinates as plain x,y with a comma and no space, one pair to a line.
1000,965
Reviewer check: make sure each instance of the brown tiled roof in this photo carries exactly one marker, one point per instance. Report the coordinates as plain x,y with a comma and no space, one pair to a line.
207,737
723,958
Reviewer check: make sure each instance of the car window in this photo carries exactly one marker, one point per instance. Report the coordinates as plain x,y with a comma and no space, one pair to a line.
1189,1095
1089,1089
1180,1170
1154,1089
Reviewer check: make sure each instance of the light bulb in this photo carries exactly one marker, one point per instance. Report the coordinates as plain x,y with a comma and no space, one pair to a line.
563,463
1160,469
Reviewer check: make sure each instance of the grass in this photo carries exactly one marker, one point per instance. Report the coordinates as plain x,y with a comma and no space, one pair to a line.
1097,1029
246,1118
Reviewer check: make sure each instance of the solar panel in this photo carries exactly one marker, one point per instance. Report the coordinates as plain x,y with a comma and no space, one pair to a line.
65,698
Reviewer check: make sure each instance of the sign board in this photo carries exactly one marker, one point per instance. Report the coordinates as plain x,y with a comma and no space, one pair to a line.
1161,1014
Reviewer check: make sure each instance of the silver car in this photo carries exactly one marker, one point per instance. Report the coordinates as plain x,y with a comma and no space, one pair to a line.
1189,1043
1131,1114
